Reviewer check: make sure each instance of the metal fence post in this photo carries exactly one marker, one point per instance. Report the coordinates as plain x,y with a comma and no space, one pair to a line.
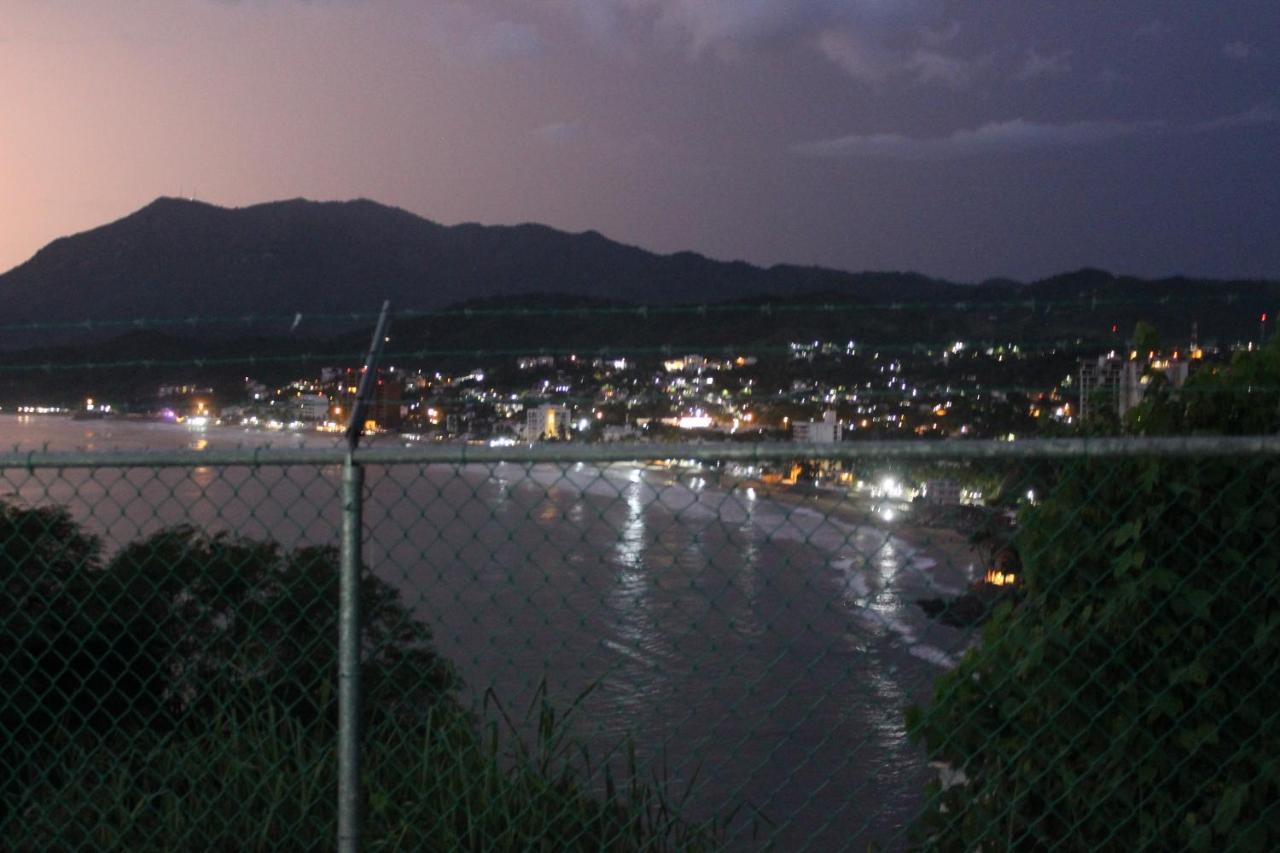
349,793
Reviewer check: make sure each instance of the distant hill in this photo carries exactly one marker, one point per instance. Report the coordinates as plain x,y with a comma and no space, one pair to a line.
178,259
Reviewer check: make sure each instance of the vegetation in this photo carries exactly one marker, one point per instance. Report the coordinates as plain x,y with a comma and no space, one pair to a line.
181,696
1129,701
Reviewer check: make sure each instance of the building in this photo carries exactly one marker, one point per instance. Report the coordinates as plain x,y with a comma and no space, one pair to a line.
385,410
618,432
1120,384
546,422
825,431
310,408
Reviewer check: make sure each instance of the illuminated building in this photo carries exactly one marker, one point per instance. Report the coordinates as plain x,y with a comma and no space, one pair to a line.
825,431
546,422
310,408
1121,383
384,408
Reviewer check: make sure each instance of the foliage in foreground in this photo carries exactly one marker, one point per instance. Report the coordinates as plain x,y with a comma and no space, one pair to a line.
255,780
181,696
1132,700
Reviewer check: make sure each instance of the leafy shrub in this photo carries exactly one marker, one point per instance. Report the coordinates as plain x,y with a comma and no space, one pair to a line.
181,696
1132,700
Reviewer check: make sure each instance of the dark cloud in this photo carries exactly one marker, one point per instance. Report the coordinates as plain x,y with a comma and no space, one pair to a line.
1014,135
850,133
994,137
1037,65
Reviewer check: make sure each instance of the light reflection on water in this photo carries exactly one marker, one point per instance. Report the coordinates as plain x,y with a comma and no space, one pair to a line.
768,649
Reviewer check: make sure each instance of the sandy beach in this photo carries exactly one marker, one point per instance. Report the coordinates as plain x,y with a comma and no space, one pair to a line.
957,561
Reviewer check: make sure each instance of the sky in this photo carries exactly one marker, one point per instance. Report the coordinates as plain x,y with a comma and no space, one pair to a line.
966,140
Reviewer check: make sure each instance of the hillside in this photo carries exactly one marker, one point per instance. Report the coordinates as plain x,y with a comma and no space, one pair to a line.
176,258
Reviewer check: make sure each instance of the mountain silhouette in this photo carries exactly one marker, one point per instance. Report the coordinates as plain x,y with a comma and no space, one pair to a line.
176,259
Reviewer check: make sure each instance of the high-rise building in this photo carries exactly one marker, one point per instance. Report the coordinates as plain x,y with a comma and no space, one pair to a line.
1120,384
385,406
546,422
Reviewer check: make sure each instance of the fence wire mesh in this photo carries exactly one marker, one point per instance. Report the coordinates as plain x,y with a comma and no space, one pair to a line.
1035,645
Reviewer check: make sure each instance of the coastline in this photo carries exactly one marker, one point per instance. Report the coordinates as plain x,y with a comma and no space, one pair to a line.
949,548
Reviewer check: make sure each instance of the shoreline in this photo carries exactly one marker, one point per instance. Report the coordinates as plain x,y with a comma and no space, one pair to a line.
947,547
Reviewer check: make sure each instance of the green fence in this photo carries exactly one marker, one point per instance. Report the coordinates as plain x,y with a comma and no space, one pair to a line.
885,645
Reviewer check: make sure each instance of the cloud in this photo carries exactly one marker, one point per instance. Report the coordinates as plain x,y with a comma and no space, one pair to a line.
1015,135
940,36
931,66
1259,116
472,35
1037,65
872,41
871,63
1000,136
1239,51
742,23
858,59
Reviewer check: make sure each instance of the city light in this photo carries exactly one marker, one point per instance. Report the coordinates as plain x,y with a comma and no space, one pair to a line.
694,422
890,488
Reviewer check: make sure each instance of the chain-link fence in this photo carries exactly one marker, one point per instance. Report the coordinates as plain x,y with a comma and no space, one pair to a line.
1038,644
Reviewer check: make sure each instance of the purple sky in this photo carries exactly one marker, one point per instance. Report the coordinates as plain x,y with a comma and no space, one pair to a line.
967,139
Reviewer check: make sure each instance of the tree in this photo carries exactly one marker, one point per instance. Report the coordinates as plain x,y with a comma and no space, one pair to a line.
1130,701
226,614
1145,338
181,695
177,625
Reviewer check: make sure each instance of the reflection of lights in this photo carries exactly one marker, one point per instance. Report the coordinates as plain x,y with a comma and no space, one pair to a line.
751,493
888,514
891,488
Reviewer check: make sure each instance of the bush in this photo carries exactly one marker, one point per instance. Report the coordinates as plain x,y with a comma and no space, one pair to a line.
1132,699
181,696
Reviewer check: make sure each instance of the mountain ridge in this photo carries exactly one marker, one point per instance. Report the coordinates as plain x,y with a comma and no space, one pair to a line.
179,258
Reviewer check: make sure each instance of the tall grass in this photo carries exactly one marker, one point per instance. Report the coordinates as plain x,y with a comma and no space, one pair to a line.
259,779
